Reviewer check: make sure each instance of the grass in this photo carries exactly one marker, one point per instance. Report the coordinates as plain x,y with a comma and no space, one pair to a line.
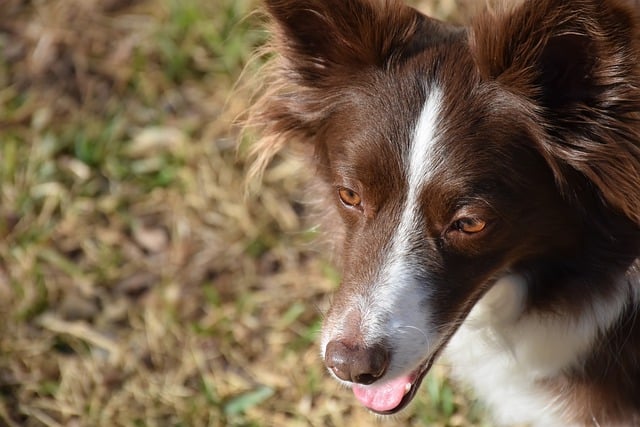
139,286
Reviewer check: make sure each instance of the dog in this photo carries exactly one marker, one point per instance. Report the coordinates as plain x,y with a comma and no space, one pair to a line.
482,184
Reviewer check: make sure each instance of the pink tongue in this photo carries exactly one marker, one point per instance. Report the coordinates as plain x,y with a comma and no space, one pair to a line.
383,397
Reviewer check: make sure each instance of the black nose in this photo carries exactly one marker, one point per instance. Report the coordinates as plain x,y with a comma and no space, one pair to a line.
356,363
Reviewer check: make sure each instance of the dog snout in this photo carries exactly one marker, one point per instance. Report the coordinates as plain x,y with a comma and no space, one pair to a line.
355,362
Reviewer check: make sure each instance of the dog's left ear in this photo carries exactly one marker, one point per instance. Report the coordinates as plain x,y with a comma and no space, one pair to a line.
577,64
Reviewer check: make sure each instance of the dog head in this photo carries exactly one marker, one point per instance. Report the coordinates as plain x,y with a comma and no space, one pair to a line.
451,157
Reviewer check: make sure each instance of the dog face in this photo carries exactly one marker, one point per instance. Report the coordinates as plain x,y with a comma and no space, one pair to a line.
452,157
440,192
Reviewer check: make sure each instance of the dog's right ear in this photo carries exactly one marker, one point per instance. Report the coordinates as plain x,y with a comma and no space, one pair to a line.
321,49
323,38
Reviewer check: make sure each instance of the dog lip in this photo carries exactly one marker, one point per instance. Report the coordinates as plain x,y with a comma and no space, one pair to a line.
421,372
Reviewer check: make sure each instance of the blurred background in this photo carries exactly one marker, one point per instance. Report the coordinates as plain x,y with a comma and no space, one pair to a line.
139,284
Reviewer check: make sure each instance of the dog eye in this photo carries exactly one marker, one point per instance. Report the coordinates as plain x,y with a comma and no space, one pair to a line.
470,225
349,197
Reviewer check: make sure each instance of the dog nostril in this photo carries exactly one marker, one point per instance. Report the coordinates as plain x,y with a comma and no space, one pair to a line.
366,379
356,363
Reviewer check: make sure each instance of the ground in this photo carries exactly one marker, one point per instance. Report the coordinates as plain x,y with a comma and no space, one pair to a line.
140,285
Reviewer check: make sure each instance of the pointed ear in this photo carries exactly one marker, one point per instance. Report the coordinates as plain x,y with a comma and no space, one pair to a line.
576,63
322,50
324,37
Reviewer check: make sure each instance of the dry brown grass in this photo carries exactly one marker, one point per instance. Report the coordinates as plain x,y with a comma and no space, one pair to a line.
138,286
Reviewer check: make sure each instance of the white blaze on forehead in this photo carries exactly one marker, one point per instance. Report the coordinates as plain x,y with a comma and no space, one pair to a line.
397,304
420,164
394,307
421,155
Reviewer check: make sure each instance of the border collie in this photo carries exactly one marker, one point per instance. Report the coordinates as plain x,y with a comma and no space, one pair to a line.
483,187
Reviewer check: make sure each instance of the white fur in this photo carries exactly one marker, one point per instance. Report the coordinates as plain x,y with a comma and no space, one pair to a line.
502,352
421,156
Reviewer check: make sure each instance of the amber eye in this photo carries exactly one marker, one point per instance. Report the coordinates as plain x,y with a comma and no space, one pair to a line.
470,225
349,197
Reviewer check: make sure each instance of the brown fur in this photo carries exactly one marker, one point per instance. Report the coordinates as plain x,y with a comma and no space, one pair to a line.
546,93
600,43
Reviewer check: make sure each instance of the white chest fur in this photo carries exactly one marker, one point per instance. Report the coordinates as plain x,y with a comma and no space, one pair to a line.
503,353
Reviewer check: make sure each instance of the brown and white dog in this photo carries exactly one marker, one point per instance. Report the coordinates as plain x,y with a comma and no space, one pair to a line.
484,185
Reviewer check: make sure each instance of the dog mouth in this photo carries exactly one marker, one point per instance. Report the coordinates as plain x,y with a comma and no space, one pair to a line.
392,396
